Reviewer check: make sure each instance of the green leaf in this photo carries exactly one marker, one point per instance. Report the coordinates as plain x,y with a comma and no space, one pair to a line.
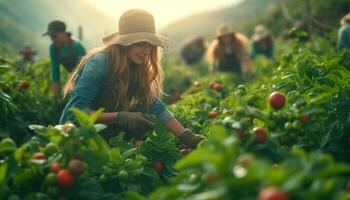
81,116
93,117
3,170
134,196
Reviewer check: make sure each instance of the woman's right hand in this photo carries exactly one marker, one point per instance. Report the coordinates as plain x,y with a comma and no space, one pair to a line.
134,121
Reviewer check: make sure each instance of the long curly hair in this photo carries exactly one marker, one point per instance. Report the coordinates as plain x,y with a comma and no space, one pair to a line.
147,80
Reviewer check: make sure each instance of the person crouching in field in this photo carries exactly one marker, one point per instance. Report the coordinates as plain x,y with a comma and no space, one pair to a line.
193,50
262,42
28,54
227,53
125,78
63,50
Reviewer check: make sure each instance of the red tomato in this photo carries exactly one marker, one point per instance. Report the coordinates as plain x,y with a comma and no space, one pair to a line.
217,87
305,118
277,100
272,193
158,166
55,168
261,135
65,178
212,114
38,156
24,85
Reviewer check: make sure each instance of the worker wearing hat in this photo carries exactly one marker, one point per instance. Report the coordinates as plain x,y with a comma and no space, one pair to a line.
227,52
28,54
63,51
262,42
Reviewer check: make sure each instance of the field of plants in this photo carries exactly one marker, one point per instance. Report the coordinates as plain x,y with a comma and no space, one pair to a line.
282,134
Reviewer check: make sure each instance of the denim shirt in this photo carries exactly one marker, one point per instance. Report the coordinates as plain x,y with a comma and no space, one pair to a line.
344,37
89,86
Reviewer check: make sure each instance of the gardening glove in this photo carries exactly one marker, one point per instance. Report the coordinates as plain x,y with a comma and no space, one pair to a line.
189,139
135,122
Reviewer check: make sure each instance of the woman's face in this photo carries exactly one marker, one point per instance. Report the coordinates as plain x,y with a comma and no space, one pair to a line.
139,52
226,39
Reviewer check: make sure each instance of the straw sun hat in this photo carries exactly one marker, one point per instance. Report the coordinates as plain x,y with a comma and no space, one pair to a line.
27,50
223,30
260,32
136,25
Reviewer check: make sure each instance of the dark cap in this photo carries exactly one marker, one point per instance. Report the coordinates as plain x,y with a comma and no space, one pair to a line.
55,27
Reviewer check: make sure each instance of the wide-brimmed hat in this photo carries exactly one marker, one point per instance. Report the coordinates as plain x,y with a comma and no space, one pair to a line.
27,50
54,27
223,30
260,32
136,25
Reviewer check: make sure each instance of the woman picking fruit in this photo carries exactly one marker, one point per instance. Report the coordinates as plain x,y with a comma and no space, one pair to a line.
227,52
125,78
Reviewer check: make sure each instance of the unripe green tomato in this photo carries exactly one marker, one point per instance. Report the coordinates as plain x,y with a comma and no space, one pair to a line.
50,178
297,124
194,178
123,174
288,126
50,149
103,178
128,161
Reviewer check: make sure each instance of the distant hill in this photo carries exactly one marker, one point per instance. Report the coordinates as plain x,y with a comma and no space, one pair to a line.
277,15
23,22
205,23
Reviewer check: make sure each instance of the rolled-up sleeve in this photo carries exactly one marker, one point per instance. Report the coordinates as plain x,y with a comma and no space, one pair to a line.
88,87
55,65
159,109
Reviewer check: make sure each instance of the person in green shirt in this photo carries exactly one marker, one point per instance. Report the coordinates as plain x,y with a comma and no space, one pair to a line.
344,32
125,78
262,42
63,50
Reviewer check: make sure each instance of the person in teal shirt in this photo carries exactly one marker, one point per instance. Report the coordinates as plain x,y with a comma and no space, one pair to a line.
125,78
344,32
63,50
262,42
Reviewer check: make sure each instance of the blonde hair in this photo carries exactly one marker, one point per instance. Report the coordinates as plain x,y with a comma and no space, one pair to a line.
345,20
148,78
216,50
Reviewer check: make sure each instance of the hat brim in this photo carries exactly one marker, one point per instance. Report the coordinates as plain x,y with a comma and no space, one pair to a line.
131,38
224,34
257,37
52,33
48,33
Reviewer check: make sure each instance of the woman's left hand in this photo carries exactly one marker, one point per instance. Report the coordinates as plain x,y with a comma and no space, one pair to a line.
189,139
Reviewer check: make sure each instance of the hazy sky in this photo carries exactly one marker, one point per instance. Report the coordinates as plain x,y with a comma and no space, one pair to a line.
164,11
